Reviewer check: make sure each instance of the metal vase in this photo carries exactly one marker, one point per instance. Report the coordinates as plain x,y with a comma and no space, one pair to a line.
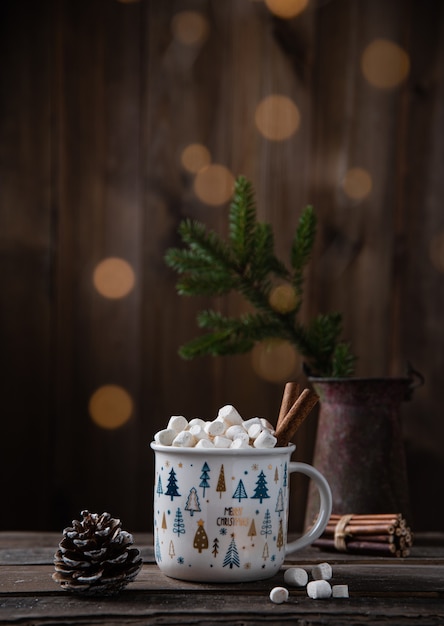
359,446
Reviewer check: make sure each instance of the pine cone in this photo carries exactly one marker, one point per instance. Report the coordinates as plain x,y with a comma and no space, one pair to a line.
94,557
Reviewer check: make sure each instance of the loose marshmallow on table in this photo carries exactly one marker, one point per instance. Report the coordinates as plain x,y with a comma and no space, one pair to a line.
296,576
278,595
340,591
319,589
322,571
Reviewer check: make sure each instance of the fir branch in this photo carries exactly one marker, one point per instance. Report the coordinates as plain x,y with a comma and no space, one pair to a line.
343,361
302,246
229,335
247,263
206,244
242,222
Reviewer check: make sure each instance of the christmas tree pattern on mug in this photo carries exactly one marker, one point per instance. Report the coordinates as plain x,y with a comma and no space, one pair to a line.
191,503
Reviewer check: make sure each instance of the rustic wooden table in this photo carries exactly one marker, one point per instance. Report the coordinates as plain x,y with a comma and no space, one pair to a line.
382,591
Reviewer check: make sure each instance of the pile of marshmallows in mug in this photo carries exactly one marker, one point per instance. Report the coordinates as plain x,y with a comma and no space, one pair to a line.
319,588
228,430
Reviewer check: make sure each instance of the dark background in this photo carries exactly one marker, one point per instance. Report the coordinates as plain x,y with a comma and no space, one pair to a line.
98,100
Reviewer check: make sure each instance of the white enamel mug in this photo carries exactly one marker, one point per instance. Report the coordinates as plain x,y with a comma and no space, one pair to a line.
221,515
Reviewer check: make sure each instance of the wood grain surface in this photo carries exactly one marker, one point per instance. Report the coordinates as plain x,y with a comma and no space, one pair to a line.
98,101
382,590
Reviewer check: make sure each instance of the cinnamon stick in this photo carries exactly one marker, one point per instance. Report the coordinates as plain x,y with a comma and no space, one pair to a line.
369,529
384,538
295,416
376,517
385,534
371,547
290,395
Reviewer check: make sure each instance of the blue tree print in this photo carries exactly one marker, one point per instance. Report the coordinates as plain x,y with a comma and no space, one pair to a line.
157,549
266,528
179,525
280,503
284,484
261,491
204,477
172,485
232,555
192,504
159,489
240,491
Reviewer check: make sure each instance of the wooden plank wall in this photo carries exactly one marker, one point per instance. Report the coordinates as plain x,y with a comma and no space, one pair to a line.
99,98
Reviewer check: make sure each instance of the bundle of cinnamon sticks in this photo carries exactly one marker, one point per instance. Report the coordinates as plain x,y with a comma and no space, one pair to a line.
294,409
383,534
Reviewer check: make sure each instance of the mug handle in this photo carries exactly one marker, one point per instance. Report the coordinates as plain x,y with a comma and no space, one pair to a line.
326,503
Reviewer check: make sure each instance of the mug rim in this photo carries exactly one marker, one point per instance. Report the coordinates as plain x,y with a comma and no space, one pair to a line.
290,448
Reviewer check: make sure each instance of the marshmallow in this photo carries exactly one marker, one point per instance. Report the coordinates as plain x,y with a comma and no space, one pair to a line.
255,430
340,591
204,443
196,421
165,437
177,423
184,439
296,577
233,431
243,437
322,571
266,424
228,430
278,595
222,442
198,432
237,432
239,444
265,440
319,589
214,428
229,415
251,421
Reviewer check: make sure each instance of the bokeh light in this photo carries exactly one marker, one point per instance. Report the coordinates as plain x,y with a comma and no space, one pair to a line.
275,360
436,251
283,298
277,117
190,28
114,278
214,184
286,9
385,64
110,406
357,183
194,157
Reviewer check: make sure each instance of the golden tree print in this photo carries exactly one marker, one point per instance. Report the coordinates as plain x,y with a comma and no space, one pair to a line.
200,538
221,487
